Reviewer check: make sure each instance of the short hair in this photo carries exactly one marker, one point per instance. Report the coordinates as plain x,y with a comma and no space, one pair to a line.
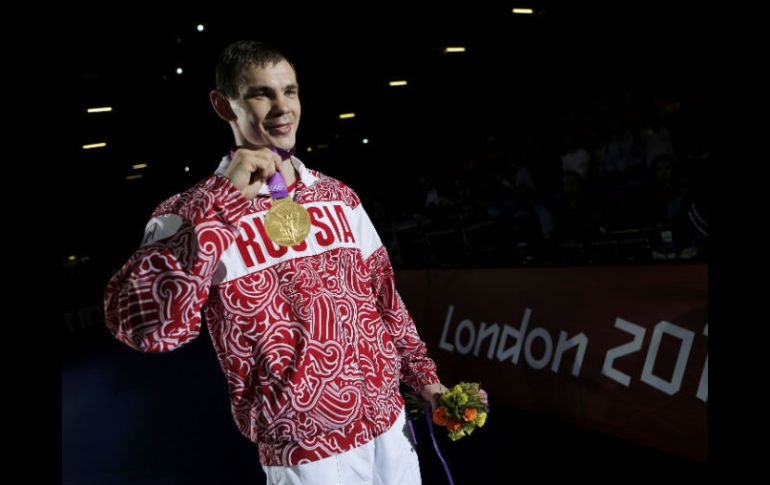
239,56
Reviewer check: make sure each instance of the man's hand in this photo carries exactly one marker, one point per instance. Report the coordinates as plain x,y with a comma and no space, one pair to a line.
249,169
431,393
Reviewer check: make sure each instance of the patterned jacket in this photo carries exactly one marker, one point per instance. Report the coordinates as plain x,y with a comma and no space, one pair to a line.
313,339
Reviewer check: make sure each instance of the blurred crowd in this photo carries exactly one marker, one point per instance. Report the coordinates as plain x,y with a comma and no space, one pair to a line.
623,180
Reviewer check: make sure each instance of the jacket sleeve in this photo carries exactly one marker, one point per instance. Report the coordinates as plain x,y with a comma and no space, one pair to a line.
153,303
417,369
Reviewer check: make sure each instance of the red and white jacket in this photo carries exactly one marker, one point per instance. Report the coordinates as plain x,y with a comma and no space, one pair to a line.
313,339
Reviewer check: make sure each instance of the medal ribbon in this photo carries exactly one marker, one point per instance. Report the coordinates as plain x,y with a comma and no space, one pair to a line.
276,183
435,447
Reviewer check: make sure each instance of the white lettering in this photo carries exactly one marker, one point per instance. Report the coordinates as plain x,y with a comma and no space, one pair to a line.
514,351
686,336
580,341
494,331
703,385
543,361
465,348
444,345
636,344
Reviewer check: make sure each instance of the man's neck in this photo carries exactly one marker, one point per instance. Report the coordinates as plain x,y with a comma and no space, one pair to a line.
289,171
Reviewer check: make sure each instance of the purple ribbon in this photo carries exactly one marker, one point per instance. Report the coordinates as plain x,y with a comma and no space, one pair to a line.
276,183
411,428
435,447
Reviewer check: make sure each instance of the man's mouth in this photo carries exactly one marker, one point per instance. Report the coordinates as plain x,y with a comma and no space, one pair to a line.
279,129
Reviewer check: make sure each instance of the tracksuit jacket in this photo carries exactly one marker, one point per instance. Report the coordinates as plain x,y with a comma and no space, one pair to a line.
313,339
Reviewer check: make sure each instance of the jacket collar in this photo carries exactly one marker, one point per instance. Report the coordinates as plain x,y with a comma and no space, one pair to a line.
305,176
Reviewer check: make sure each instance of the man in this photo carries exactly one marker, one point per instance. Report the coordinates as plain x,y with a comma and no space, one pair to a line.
313,338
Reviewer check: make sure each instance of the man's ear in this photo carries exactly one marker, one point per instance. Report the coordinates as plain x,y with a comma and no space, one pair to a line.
222,105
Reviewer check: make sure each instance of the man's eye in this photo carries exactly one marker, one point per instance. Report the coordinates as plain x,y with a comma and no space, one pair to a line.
291,93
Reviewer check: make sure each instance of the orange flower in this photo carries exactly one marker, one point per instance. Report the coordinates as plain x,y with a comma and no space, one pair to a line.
454,425
440,417
470,414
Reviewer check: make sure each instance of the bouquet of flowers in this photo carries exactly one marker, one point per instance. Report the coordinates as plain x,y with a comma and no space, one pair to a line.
461,409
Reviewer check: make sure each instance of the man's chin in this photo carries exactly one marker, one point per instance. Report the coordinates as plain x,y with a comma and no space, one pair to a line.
283,144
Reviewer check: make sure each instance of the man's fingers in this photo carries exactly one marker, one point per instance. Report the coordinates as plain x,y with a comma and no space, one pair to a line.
250,168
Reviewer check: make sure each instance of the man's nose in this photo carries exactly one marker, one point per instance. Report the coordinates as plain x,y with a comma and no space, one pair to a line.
281,104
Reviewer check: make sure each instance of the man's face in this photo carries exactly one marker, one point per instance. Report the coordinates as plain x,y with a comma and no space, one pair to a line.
267,107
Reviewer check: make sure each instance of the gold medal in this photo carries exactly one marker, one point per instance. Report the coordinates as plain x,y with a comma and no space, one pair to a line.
287,223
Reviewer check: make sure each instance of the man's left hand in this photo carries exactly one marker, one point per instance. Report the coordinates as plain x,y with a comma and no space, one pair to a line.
431,393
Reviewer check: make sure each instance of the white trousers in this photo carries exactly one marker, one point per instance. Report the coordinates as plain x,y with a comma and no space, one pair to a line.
389,459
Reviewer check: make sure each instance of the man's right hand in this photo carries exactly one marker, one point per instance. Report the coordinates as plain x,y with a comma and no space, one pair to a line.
249,169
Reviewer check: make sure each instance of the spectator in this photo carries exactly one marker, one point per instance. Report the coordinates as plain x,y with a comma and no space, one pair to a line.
576,158
655,139
624,155
665,198
576,214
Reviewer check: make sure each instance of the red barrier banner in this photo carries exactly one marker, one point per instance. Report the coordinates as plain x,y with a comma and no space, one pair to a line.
622,350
